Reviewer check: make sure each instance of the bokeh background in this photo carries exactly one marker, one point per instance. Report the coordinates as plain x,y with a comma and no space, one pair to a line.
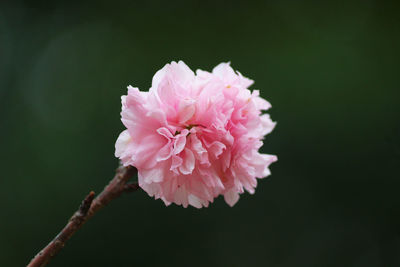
330,70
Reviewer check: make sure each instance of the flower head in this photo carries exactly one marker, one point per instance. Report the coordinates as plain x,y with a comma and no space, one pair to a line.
193,137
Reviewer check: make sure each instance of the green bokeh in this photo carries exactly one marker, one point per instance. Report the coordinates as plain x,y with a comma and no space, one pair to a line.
330,70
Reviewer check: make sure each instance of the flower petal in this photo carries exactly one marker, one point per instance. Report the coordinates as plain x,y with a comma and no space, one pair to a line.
188,162
231,197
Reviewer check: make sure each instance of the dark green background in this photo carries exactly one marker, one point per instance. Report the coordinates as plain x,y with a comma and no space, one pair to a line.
330,70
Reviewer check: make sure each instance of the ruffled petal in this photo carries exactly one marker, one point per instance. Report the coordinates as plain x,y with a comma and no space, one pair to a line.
188,162
231,197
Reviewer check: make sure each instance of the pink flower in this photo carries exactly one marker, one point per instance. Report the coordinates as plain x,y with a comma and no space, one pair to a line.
194,137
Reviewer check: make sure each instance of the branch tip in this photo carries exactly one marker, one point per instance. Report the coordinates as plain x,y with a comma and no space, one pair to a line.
131,187
86,203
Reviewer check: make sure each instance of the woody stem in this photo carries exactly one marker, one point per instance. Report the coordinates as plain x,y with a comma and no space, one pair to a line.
89,206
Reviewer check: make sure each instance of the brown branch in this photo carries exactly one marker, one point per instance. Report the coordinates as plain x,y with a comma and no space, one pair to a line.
87,209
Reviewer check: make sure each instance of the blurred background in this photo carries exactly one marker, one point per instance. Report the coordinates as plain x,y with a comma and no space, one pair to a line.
330,70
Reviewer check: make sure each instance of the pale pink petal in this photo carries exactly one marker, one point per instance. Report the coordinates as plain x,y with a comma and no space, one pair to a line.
122,143
231,197
197,202
165,132
165,152
187,108
188,162
154,175
179,144
176,162
267,124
